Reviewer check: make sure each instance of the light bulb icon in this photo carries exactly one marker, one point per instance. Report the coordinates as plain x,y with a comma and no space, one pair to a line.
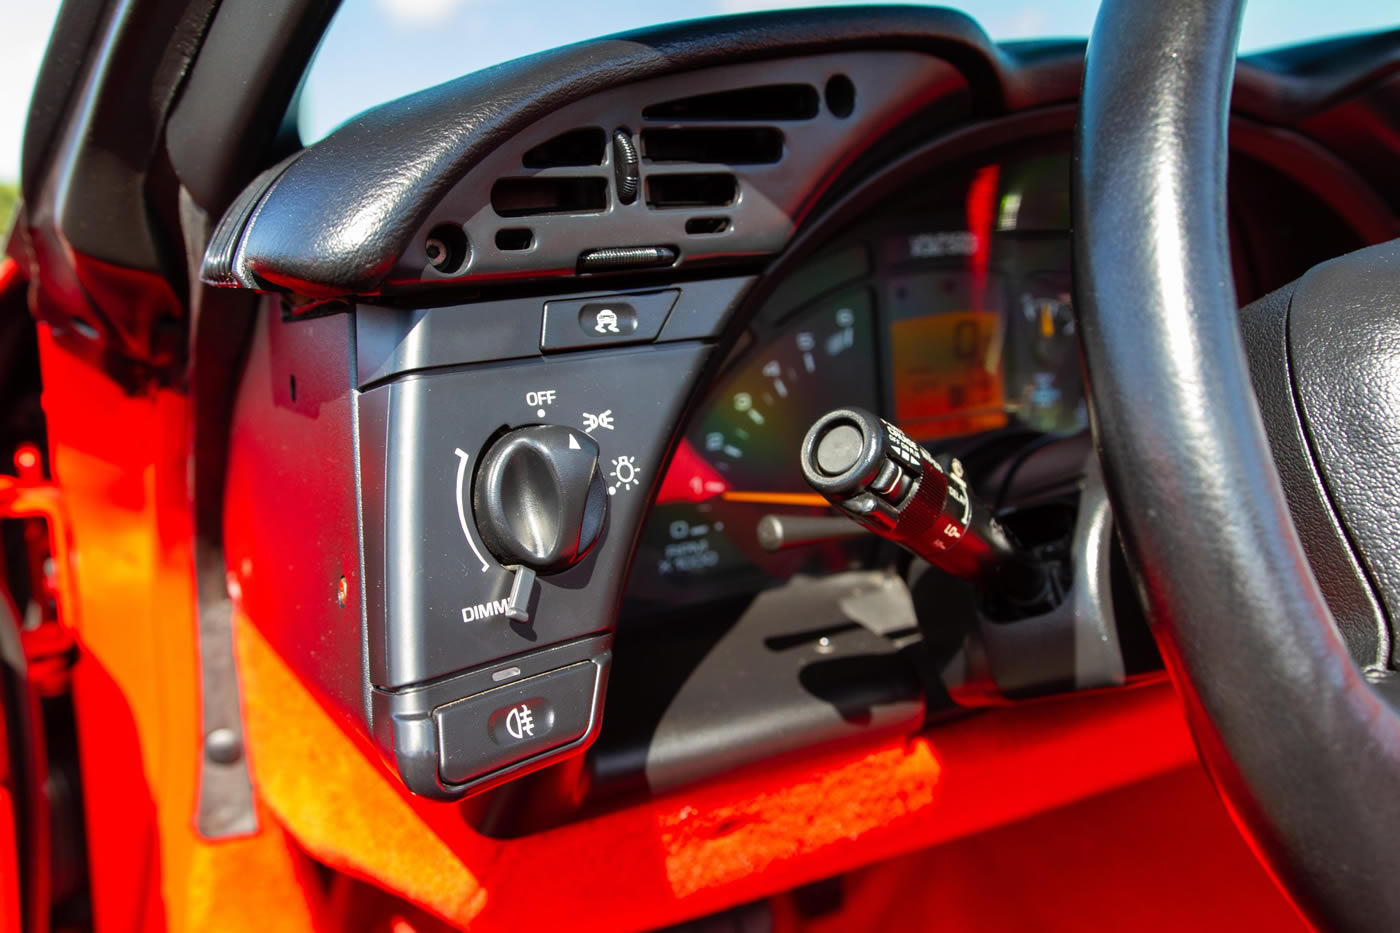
624,470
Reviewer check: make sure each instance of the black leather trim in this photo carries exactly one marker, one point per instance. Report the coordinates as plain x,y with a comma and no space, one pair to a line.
1305,754
220,266
337,219
1264,325
1344,346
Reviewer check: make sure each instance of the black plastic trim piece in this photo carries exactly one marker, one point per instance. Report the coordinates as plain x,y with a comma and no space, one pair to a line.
406,732
395,162
769,195
436,599
392,342
59,76
101,153
798,670
223,126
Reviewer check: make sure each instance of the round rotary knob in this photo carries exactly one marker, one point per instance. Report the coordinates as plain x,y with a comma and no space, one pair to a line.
539,497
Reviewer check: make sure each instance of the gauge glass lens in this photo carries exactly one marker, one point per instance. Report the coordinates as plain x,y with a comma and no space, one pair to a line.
739,460
1031,256
974,282
952,301
945,352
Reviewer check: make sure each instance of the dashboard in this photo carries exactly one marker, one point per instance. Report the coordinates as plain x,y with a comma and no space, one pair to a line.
583,339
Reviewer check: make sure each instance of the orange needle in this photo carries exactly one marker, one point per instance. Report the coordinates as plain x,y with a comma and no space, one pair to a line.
809,499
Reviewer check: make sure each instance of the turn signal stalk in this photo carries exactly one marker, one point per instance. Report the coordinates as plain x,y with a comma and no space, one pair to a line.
884,481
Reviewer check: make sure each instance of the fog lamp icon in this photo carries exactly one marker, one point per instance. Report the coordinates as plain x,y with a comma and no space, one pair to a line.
520,723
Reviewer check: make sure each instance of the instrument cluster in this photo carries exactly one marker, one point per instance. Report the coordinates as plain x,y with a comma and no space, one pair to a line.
947,310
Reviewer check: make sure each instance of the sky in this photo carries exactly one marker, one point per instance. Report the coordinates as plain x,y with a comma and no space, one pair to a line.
377,50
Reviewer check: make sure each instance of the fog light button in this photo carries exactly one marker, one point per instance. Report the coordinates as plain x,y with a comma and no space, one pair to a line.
522,722
531,717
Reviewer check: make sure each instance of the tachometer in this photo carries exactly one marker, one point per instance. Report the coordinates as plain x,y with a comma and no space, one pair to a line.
739,461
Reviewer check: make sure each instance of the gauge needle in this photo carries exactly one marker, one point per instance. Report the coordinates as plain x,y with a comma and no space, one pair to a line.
809,499
692,479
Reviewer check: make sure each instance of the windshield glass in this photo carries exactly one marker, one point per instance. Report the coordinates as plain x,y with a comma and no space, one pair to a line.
377,50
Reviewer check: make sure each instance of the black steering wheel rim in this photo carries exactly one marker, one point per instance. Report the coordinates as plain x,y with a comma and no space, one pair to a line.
1304,752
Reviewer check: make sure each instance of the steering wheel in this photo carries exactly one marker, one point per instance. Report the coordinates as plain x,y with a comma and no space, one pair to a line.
1292,715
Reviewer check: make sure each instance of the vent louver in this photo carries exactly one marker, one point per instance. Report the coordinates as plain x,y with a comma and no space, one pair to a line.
573,149
767,102
697,169
749,145
524,197
708,189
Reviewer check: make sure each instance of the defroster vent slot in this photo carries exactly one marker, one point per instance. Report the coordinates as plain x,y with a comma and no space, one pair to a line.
751,145
767,102
586,146
707,189
523,197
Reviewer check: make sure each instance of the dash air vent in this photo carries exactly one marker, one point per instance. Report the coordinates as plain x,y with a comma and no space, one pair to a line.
693,169
757,145
707,189
568,150
767,102
523,197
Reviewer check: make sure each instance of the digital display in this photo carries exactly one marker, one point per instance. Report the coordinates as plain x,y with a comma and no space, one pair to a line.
947,370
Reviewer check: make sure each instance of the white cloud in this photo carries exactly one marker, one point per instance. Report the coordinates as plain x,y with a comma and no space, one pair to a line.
418,12
22,42
1033,23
